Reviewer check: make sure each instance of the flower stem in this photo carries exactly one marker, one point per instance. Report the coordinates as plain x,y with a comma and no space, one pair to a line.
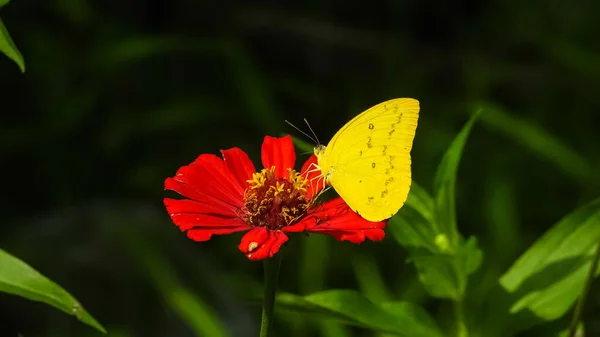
586,289
271,267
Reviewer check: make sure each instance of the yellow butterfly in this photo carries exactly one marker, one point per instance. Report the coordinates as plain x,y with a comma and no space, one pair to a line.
368,160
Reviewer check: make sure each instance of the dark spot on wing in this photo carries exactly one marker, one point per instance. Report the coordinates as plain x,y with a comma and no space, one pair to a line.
384,152
384,193
371,126
391,132
373,165
369,142
371,199
389,180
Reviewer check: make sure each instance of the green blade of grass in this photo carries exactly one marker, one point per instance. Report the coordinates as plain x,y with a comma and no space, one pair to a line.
184,302
539,142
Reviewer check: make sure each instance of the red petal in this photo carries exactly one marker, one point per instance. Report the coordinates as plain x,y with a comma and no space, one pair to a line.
187,221
207,180
279,152
239,164
357,236
176,206
261,243
337,219
311,173
204,234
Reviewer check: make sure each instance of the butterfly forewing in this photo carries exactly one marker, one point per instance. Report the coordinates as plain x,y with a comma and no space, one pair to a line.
370,158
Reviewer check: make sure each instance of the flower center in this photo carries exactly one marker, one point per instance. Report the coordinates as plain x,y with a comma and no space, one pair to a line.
275,202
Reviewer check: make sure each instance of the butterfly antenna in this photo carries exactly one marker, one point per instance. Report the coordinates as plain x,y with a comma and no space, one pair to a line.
311,130
304,133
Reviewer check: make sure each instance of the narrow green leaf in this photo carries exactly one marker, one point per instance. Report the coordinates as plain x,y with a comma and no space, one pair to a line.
469,257
438,274
18,278
538,141
421,201
398,318
435,268
412,230
413,225
444,185
302,145
7,46
445,275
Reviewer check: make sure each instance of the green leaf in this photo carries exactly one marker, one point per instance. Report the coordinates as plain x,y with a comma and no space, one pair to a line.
579,331
7,46
442,271
544,283
444,185
572,237
445,275
548,277
3,3
18,278
539,142
398,318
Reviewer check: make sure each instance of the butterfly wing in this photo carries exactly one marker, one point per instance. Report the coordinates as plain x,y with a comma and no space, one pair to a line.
369,158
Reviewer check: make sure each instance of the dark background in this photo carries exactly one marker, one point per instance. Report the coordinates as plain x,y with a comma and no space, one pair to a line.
118,94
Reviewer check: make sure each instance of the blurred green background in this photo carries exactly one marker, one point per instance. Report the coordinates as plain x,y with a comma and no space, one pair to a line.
119,94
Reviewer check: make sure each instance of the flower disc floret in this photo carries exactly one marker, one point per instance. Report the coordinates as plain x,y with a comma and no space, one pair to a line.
275,202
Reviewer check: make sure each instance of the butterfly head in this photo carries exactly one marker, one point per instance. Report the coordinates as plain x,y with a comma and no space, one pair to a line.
323,165
319,151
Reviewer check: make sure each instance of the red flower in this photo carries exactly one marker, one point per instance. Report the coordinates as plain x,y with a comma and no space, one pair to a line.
228,195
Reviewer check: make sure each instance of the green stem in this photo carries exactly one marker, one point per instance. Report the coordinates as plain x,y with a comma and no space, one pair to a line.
586,289
461,326
271,267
